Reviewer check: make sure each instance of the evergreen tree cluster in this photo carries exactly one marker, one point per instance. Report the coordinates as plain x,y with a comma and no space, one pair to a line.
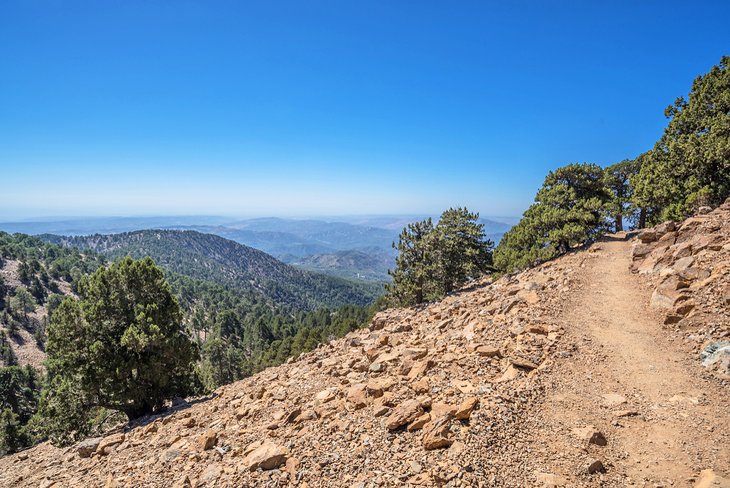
568,209
688,168
42,266
228,357
120,346
19,394
7,356
434,260
43,271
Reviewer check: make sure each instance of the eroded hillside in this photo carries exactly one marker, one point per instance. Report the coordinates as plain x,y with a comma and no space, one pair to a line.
580,372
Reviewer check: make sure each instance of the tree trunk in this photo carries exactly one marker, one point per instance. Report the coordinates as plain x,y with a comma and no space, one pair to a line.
642,218
619,222
136,411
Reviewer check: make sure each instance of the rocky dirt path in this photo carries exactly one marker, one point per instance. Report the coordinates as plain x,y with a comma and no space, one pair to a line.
664,422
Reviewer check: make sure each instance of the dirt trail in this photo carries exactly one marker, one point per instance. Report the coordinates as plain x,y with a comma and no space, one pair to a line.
627,362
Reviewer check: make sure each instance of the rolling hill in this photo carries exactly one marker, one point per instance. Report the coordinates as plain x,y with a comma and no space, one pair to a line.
228,263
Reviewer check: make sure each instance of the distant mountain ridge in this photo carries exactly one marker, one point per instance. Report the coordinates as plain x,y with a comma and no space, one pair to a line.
223,261
336,246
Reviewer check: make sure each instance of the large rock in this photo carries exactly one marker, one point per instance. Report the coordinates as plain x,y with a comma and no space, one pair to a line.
683,263
376,387
669,293
509,374
440,409
419,422
701,242
667,239
207,440
668,226
716,357
681,250
108,443
404,414
464,410
327,395
357,396
266,456
654,259
648,235
594,466
436,434
419,369
87,447
488,352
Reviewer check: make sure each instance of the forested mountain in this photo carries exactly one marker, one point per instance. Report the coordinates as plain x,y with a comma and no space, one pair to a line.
222,261
349,247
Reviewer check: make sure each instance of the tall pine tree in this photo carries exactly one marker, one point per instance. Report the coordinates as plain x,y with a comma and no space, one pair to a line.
569,209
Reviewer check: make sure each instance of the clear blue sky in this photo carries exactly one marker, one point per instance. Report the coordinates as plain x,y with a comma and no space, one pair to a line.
341,107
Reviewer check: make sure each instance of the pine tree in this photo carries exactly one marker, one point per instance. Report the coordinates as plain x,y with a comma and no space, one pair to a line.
37,290
617,179
24,273
9,432
120,347
222,362
23,301
690,165
569,209
433,261
462,250
412,279
3,292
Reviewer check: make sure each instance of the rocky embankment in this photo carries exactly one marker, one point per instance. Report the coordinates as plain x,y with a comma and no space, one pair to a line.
689,268
474,390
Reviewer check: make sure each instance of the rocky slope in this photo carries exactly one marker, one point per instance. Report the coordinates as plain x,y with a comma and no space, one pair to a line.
46,271
689,265
563,375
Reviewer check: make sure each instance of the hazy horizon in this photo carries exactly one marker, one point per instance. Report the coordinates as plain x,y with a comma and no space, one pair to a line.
234,218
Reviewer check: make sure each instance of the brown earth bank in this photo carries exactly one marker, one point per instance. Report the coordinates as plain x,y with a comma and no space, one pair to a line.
607,367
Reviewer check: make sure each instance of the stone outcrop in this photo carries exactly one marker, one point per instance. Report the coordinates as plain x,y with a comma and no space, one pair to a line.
688,266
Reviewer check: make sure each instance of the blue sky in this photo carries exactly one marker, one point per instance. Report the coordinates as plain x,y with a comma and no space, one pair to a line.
341,107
